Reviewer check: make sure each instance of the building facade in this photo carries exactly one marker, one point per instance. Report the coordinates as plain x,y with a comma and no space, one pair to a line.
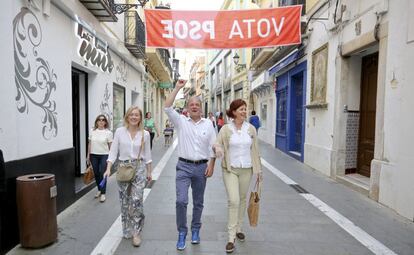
278,86
337,94
359,61
64,63
158,64
226,79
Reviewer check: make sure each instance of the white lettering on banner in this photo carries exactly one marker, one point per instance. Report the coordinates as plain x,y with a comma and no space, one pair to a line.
168,28
278,29
237,31
208,27
249,26
193,31
182,30
181,25
259,28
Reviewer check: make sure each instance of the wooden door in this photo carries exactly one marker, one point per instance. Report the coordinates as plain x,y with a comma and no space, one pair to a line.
366,140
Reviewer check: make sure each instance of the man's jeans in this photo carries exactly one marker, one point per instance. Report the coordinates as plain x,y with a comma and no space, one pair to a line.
189,174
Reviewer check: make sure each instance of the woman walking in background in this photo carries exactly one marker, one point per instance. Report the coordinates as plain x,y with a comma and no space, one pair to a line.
150,126
131,145
212,119
237,142
220,122
99,143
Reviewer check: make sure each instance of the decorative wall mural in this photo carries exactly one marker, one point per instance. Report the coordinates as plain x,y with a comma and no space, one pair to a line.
34,78
122,72
105,109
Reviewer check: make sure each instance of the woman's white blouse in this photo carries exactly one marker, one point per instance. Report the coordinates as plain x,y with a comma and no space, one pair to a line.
239,147
126,148
100,139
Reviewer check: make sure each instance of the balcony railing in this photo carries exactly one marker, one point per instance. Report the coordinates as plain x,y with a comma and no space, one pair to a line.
255,53
165,56
134,34
294,2
101,9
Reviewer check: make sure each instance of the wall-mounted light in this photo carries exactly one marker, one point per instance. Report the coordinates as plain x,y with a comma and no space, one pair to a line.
236,59
120,8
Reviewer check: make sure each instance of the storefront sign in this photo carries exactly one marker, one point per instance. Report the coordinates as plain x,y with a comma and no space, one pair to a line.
223,29
94,50
165,85
258,81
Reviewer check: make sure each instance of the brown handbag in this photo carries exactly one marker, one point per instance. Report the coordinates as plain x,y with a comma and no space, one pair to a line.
126,171
88,176
254,205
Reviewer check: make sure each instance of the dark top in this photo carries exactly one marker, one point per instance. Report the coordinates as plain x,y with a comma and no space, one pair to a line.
254,120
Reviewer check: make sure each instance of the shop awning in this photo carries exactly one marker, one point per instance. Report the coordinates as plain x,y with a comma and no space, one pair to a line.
290,58
165,85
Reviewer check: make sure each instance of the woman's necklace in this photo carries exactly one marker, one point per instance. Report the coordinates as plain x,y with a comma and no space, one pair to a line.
238,127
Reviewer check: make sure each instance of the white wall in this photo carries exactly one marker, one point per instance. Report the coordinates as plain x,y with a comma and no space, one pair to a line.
397,175
319,124
394,158
267,130
21,133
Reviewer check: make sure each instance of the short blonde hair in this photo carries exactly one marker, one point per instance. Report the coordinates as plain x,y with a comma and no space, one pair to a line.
128,112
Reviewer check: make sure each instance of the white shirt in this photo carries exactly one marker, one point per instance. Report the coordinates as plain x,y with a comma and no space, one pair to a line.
99,139
195,139
128,148
239,147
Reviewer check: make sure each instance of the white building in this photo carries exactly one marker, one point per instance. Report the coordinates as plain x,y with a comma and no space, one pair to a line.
359,107
62,65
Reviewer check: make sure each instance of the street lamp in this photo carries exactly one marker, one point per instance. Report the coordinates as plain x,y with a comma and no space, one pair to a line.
176,70
236,59
120,8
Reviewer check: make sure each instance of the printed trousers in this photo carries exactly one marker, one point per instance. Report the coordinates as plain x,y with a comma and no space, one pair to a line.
131,196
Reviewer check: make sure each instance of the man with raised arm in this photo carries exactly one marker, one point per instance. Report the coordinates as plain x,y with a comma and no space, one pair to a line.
196,136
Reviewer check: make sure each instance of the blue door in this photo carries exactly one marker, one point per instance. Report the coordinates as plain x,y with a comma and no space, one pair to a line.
281,112
296,115
290,115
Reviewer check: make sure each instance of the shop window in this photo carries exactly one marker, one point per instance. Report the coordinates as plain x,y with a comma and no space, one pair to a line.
281,117
118,106
213,80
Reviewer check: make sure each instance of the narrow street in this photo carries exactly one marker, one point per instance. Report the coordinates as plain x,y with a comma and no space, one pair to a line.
329,219
327,85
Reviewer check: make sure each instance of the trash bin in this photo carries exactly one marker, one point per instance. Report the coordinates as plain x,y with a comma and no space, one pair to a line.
36,208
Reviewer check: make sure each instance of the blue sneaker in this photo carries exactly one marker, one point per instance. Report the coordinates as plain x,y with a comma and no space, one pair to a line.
195,236
181,241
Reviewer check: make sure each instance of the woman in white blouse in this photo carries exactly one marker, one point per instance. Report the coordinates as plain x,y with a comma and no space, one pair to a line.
238,141
125,148
100,139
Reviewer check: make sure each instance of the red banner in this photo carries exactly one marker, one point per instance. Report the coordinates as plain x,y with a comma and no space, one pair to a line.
223,29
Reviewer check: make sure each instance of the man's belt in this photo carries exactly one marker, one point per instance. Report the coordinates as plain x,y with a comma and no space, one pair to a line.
197,162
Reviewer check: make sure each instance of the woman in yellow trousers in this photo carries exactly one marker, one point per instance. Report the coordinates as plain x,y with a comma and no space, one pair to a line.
237,142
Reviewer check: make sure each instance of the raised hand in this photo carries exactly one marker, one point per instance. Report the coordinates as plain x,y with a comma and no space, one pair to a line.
180,83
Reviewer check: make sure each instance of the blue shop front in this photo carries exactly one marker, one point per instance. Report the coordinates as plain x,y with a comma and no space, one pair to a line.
290,77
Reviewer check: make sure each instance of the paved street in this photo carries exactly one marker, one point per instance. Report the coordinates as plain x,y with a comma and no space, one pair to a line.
302,212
